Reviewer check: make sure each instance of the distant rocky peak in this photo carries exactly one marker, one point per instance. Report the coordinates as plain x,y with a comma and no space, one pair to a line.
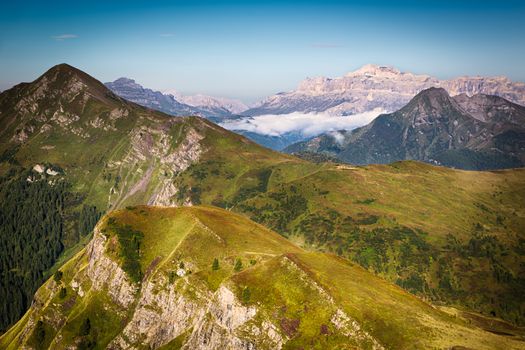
172,92
434,94
125,80
377,86
125,83
432,102
372,69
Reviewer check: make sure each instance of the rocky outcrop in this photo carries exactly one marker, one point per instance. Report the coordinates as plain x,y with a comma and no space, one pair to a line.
164,310
342,321
174,103
105,274
351,328
382,87
161,316
476,133
167,156
164,193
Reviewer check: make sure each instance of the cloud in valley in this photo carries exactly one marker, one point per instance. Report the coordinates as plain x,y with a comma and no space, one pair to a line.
309,124
338,137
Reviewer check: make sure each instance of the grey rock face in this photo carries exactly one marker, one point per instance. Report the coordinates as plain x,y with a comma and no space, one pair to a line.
373,87
175,104
131,91
479,132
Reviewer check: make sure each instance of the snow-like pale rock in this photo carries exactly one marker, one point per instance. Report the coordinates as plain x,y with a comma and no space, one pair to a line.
206,101
39,168
373,86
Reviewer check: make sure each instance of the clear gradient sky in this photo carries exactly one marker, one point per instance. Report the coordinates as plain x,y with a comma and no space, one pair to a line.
252,49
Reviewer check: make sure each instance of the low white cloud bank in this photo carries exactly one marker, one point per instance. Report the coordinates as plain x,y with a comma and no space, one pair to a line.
309,124
338,137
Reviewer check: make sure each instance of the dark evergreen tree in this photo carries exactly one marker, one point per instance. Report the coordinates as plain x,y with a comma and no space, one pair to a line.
57,276
85,327
215,265
246,295
238,265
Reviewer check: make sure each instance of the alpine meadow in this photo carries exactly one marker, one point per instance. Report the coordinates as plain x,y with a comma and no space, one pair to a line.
176,207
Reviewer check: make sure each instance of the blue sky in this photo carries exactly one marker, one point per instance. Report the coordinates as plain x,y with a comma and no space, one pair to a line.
249,50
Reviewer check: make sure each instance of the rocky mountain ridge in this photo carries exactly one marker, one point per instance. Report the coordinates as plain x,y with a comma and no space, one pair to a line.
65,102
208,102
183,301
111,153
131,91
374,86
478,132
173,103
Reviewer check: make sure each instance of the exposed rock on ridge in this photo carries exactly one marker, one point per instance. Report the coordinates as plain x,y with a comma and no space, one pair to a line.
374,86
479,132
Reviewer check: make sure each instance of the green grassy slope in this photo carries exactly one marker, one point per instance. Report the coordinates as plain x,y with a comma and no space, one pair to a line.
450,236
101,146
310,298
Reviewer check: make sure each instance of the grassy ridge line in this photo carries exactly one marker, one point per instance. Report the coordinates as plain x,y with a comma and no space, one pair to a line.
298,291
440,203
333,275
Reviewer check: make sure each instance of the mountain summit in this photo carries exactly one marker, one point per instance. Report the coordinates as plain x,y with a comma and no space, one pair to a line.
233,106
130,90
479,132
374,86
173,103
372,69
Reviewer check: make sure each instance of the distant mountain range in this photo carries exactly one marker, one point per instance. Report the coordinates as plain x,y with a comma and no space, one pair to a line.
367,89
373,86
478,132
174,103
233,106
370,88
